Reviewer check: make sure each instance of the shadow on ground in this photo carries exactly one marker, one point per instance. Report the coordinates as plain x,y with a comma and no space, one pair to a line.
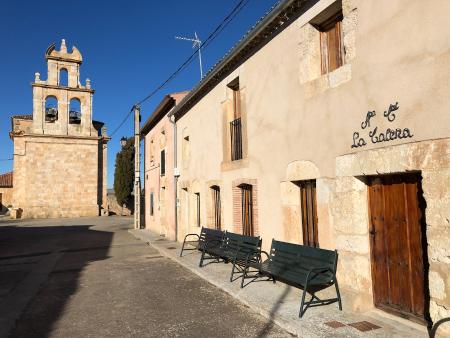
48,260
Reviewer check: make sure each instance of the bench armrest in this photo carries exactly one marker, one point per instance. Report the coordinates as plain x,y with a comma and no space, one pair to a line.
191,235
265,253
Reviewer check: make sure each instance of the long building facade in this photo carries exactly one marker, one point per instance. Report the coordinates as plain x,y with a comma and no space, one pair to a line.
59,151
328,125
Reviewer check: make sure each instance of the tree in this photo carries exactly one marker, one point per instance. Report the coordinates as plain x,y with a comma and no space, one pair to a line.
124,173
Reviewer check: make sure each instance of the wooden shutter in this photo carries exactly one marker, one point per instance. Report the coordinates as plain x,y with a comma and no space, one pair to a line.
247,210
331,44
216,207
309,213
198,208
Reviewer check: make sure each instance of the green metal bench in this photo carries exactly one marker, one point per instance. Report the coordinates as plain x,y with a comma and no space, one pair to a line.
237,249
310,268
198,242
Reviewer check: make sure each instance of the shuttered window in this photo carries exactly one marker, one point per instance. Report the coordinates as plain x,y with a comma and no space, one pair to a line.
235,124
197,197
163,162
331,44
309,212
247,210
151,204
216,207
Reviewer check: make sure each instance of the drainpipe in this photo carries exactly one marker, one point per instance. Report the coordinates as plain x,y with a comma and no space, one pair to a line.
175,173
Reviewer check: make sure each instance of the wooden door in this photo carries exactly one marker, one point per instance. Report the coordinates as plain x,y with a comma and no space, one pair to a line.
247,210
397,233
309,213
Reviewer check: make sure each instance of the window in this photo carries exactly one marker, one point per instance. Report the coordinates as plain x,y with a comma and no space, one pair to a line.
63,78
215,190
186,152
152,204
75,111
236,124
152,150
197,200
308,207
51,109
247,210
163,162
331,43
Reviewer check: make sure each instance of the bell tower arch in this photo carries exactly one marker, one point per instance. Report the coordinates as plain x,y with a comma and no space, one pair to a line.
53,111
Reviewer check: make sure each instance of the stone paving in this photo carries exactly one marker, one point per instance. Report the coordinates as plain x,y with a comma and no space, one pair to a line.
280,303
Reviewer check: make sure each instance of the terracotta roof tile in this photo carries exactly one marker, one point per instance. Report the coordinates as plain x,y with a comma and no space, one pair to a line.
6,180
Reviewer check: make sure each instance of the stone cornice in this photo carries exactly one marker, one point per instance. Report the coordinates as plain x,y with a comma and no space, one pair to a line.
74,89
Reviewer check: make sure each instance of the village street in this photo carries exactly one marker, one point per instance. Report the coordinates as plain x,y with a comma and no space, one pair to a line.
89,277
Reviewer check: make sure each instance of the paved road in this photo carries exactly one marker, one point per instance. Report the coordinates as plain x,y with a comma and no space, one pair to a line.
90,278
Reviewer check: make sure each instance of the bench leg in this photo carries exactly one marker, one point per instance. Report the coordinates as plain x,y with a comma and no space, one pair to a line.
182,249
244,274
338,294
232,270
201,258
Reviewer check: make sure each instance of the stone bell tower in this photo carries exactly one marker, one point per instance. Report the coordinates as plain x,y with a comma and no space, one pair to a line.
60,151
61,105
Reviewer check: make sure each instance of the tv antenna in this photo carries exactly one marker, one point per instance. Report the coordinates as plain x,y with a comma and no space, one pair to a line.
196,44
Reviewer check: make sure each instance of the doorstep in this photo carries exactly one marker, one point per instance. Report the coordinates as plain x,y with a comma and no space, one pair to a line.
280,303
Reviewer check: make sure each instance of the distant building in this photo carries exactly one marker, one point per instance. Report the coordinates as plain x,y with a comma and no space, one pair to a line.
158,134
6,188
59,151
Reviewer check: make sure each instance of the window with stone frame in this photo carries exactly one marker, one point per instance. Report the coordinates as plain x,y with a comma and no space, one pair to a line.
331,43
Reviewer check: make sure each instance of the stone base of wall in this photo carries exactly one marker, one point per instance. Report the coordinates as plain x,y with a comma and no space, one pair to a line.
45,212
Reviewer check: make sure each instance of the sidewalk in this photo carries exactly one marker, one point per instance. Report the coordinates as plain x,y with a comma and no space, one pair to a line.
280,303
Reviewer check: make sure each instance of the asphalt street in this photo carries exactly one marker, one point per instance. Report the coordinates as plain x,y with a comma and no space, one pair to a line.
88,277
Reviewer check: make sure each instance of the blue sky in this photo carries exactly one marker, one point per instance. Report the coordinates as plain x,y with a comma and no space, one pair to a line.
128,49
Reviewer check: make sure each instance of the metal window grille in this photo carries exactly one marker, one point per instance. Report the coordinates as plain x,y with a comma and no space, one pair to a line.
236,139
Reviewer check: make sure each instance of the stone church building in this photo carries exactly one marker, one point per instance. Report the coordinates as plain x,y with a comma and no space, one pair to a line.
59,151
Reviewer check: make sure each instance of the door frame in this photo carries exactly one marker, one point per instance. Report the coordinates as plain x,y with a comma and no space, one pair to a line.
426,319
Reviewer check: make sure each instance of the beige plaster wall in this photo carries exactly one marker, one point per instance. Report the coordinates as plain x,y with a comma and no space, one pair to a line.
163,219
298,122
57,177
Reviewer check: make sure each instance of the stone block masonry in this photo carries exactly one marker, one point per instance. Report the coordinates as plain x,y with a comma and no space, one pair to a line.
56,176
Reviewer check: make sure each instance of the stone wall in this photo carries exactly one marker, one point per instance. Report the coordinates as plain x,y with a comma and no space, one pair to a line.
350,210
56,176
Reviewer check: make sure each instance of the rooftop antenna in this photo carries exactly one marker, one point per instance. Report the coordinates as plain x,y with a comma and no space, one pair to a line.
196,44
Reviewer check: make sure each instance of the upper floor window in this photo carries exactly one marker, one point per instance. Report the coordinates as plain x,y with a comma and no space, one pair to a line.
236,123
331,43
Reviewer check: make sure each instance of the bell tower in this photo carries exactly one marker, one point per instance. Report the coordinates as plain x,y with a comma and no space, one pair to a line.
61,105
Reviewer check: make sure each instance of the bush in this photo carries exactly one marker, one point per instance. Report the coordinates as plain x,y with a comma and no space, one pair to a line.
124,173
